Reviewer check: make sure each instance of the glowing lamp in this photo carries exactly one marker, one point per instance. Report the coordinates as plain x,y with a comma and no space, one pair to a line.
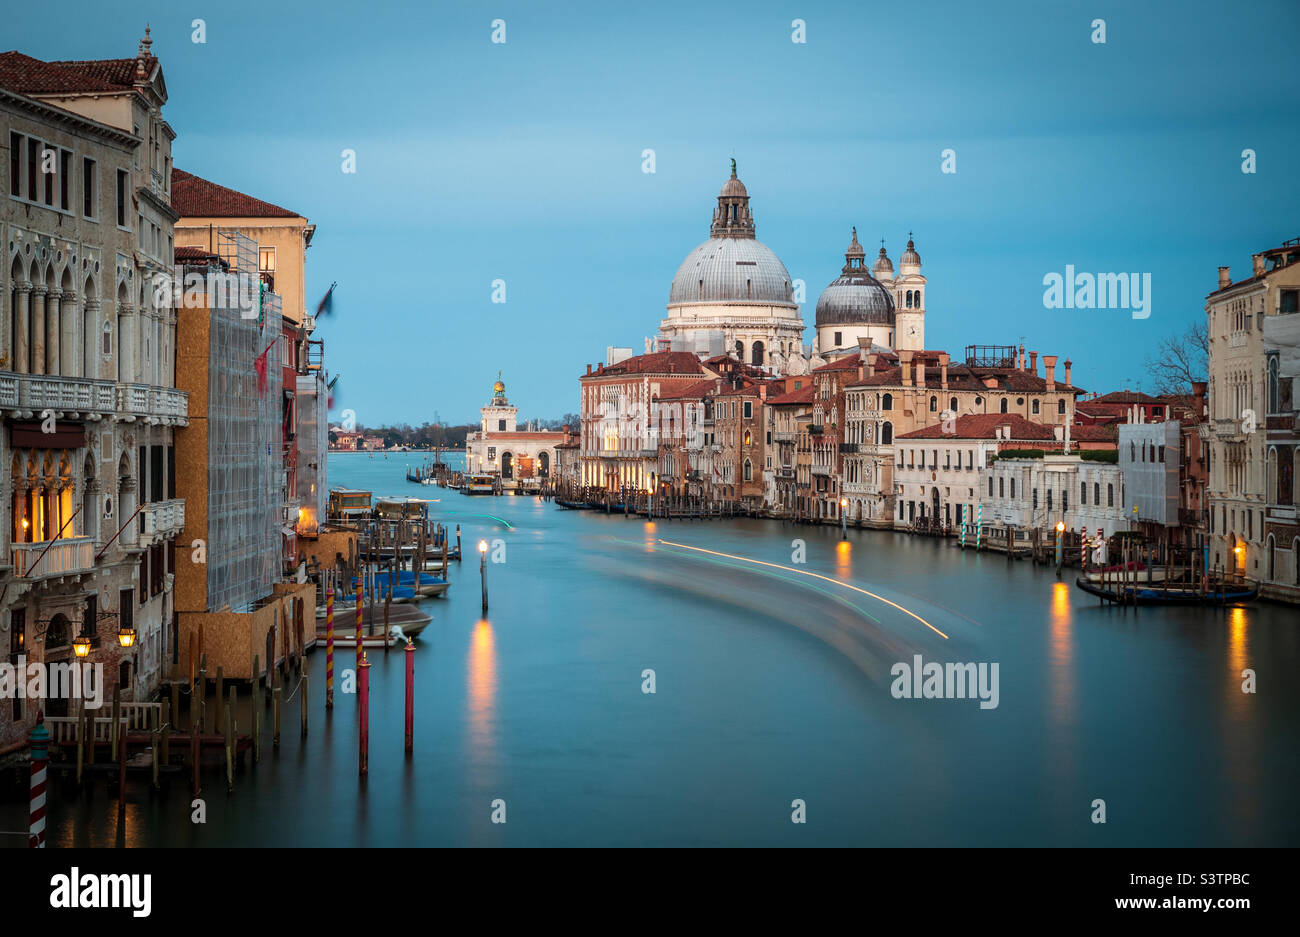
81,646
126,637
844,502
482,546
1060,527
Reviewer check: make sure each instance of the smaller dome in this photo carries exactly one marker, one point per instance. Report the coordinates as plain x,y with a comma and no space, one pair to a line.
910,257
498,388
882,265
733,187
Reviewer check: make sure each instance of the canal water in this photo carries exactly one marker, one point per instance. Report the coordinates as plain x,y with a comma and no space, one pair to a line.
771,686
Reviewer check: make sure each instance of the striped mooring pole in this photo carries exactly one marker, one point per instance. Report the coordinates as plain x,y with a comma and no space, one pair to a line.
39,740
329,647
979,525
363,717
963,526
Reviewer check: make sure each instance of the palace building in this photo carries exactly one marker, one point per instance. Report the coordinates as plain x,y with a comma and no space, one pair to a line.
522,458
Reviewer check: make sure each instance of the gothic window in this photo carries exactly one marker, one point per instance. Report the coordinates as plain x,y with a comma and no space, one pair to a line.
934,404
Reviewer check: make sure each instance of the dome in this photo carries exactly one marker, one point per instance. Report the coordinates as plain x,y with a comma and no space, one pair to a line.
883,265
910,257
732,269
855,297
498,388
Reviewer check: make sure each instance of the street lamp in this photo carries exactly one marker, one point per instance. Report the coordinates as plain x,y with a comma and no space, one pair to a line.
81,646
650,501
482,568
1060,547
844,532
126,638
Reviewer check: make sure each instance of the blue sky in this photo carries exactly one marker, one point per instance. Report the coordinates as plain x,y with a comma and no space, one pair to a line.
523,161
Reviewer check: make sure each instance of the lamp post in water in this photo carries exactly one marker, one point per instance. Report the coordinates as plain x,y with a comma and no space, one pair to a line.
1060,547
844,519
482,567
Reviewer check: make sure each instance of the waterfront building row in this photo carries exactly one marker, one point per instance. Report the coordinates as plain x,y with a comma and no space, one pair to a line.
150,473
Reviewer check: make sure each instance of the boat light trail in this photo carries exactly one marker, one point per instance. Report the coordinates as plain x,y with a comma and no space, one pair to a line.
499,520
806,572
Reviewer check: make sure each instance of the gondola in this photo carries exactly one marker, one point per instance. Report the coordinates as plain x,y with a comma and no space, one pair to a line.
1220,593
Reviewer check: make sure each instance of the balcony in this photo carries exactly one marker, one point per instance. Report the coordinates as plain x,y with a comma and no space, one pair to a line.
849,447
824,470
816,429
64,557
153,404
37,392
161,520
785,471
785,435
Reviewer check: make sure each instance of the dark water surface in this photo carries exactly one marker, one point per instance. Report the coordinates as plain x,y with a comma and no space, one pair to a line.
771,686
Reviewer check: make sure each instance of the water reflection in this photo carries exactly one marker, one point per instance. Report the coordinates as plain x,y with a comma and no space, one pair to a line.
482,692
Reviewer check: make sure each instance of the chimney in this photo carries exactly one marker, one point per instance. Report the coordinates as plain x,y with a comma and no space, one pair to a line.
762,391
1049,371
861,368
1224,279
1068,365
943,370
1033,363
920,372
871,365
588,367
1198,392
1257,264
1020,358
905,360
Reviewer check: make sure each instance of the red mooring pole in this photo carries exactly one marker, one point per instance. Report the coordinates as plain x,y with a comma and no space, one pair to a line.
39,740
410,697
359,621
363,700
329,644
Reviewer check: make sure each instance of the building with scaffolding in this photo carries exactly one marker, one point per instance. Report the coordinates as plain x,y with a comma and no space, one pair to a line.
87,357
230,593
211,212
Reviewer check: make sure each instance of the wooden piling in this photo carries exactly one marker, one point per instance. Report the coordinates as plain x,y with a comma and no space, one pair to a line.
81,741
165,727
230,742
117,715
275,714
303,687
221,686
202,689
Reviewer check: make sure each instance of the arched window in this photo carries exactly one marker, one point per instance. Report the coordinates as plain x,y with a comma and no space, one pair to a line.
887,402
1271,557
1060,405
952,405
1096,493
1035,406
1273,406
887,433
1132,451
1110,495
740,351
1003,406
749,470
756,357
934,404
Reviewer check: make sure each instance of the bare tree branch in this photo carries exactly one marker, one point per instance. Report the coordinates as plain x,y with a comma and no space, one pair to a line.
1181,359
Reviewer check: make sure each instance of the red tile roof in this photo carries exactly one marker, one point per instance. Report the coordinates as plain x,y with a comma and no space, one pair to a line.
1123,397
658,362
182,254
803,395
195,197
1104,433
26,75
985,426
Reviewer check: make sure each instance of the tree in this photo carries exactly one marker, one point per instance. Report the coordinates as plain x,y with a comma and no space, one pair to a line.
1181,359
